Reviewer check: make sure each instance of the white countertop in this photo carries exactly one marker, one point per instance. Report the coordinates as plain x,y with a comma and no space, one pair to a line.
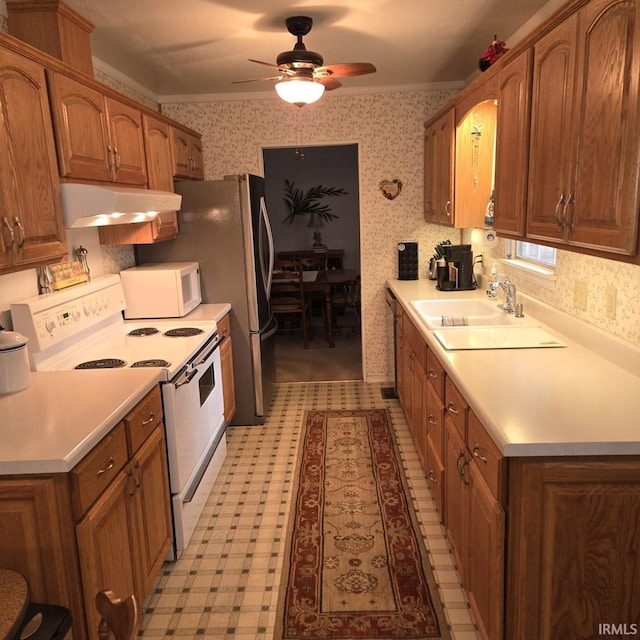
209,311
50,426
580,400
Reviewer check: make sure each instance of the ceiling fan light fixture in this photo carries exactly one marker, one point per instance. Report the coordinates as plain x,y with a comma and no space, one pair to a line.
300,91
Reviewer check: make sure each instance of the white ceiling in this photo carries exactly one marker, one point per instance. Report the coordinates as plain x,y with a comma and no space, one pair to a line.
185,47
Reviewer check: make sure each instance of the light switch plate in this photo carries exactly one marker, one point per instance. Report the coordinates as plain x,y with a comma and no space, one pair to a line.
580,295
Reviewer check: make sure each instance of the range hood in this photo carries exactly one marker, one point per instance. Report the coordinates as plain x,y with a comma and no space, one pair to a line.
87,205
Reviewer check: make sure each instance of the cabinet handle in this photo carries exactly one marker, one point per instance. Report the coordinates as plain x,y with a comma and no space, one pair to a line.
149,420
131,482
431,420
460,467
138,480
23,235
451,408
565,222
475,453
432,374
447,208
556,213
5,224
116,159
110,464
431,477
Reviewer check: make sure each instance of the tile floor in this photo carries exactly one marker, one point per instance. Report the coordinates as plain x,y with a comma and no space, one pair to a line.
225,584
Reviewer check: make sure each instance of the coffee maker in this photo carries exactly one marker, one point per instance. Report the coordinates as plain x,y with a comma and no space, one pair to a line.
455,268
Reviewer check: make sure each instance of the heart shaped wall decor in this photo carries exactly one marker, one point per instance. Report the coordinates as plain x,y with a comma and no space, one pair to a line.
391,188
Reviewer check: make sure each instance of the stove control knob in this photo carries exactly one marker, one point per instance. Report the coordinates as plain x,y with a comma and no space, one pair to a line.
76,314
50,325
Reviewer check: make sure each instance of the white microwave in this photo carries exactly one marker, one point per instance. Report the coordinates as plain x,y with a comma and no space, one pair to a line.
161,289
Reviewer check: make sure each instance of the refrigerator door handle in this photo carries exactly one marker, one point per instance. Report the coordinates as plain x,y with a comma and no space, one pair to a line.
266,278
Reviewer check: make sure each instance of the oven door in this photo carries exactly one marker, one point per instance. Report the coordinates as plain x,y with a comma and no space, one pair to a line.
194,415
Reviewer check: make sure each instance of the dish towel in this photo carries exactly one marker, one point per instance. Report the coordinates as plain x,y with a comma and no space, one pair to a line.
454,321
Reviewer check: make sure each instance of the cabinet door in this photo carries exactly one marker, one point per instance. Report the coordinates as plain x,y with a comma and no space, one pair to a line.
81,127
430,173
228,384
512,145
31,222
434,471
418,412
445,140
149,511
104,546
127,143
188,161
37,540
456,495
550,139
603,212
485,556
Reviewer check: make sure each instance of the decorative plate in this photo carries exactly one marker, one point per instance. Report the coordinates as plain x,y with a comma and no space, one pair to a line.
391,188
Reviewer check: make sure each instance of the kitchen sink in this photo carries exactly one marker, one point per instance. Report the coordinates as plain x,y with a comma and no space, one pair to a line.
496,337
473,312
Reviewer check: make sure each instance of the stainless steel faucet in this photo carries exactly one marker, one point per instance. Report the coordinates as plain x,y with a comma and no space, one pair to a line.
500,280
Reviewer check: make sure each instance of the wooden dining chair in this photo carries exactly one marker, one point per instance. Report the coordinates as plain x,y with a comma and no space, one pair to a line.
317,298
118,618
345,299
287,297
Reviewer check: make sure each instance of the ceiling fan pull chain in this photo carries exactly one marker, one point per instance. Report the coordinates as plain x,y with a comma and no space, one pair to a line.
300,147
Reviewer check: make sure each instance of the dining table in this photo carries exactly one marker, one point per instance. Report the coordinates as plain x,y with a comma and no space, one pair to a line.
326,281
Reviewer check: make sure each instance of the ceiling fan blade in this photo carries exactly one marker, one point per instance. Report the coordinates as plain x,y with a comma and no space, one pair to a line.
266,64
328,82
256,80
347,69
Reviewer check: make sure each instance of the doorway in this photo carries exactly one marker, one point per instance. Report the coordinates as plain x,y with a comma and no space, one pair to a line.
327,177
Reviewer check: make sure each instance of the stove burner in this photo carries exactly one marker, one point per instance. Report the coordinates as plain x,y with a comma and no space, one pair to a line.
144,331
183,332
154,362
103,363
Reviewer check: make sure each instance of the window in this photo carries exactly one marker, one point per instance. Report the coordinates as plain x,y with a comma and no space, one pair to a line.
536,253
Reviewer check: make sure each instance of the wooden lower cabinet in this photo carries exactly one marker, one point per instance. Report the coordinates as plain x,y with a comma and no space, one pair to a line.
71,538
546,548
226,358
573,561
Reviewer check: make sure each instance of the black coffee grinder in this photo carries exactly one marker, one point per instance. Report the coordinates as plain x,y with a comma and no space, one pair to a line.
455,268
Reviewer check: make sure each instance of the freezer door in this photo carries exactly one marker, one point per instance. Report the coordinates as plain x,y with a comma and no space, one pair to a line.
264,368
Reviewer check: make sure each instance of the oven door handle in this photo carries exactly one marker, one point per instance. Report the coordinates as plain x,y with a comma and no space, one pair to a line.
186,378
217,342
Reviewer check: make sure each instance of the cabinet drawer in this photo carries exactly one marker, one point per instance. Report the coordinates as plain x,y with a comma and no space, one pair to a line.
488,458
456,407
416,341
142,420
224,326
435,415
91,476
435,374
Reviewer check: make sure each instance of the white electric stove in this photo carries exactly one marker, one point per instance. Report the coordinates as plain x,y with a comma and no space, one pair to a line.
83,328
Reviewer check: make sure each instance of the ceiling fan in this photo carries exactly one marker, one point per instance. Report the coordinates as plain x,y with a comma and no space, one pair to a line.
303,77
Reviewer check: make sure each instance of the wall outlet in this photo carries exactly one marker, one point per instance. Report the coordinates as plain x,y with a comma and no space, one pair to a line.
610,302
580,295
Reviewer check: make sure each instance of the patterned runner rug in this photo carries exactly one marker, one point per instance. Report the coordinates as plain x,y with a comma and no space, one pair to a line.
357,566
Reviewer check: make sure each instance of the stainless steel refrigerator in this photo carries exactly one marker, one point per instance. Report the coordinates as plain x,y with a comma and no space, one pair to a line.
224,225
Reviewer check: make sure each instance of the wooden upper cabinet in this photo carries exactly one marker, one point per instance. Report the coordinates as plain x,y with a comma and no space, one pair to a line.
584,156
604,212
438,169
98,138
157,142
512,145
188,161
31,222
